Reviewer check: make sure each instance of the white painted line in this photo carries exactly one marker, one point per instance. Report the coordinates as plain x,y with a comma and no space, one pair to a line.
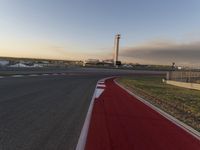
101,85
177,122
98,92
1,77
84,132
45,74
33,75
17,76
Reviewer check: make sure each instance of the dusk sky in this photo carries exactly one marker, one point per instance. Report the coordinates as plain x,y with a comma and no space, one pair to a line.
153,31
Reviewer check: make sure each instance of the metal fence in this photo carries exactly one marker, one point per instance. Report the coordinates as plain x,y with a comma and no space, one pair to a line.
184,76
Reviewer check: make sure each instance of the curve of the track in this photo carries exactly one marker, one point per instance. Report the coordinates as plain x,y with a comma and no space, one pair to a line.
40,113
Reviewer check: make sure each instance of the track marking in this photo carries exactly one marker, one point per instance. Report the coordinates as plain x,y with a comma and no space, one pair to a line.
101,85
1,77
98,92
84,131
101,82
33,75
17,76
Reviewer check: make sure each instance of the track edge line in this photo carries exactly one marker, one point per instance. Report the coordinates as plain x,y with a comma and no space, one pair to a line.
84,132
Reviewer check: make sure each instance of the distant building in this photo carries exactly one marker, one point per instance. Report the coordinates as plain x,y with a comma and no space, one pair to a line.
127,66
108,61
179,67
19,65
91,62
4,63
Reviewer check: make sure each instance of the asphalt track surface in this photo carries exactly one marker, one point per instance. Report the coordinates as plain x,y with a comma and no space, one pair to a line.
121,122
44,112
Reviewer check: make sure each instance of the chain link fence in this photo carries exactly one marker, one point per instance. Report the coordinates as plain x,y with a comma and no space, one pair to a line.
184,76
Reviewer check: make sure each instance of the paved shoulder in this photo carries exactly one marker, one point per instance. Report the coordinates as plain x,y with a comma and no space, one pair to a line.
120,121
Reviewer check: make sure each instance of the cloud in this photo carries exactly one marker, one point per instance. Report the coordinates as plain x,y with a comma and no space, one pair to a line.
165,52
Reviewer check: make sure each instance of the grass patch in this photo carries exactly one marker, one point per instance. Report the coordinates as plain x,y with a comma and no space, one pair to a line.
182,103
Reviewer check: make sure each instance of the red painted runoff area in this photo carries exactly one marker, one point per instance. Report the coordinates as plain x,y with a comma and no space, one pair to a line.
121,122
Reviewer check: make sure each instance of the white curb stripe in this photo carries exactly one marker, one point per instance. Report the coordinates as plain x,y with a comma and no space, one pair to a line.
84,132
101,82
98,92
101,85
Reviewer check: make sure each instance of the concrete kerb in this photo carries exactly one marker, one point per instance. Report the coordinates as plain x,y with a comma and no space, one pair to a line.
177,122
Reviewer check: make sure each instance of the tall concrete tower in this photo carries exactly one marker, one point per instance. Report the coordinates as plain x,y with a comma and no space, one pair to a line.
116,49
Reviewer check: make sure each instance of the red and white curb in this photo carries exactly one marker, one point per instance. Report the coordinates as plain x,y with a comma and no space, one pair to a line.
100,87
177,122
